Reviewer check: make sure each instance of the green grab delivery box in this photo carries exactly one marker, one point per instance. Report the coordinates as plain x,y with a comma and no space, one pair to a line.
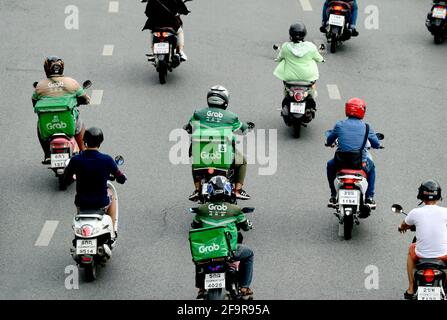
212,147
209,243
56,115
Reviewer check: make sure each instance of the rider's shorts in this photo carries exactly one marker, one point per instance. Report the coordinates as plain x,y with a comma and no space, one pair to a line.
415,257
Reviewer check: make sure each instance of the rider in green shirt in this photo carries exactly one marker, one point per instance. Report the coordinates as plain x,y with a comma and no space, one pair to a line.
221,211
216,116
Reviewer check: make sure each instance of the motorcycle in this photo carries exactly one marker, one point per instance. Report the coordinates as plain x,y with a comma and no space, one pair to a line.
429,274
339,17
94,236
165,57
437,21
55,119
351,186
219,273
213,154
298,105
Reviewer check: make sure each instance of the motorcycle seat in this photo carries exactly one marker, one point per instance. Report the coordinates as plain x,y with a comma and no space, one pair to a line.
359,173
299,83
432,262
90,213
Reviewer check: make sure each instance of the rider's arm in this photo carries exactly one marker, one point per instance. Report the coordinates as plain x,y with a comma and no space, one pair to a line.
407,223
69,172
317,56
332,135
196,222
242,222
237,124
372,137
119,176
181,7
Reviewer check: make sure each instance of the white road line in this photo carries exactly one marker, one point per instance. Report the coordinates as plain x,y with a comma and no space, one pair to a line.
114,6
334,93
108,50
306,5
96,97
47,233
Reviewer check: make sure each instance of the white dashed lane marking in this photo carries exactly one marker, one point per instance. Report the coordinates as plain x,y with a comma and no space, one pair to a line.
114,6
334,93
305,4
46,234
96,97
108,50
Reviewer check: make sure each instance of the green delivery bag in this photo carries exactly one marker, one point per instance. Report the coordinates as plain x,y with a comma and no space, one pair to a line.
212,148
56,115
209,243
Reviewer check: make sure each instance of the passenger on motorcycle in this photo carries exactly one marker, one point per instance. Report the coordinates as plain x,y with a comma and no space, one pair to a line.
298,58
57,85
220,211
166,13
92,169
431,231
352,22
350,134
218,98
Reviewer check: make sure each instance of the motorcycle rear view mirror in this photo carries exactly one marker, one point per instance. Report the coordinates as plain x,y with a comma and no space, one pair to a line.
275,46
35,84
193,210
397,208
87,84
248,209
380,136
119,160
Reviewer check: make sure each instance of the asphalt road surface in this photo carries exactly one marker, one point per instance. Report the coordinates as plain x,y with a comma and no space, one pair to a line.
298,254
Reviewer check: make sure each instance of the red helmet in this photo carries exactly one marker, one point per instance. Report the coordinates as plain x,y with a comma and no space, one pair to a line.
355,107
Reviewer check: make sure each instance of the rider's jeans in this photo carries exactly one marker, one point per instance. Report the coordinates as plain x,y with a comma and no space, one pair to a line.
354,13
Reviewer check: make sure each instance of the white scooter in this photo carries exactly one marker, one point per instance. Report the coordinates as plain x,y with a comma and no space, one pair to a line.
94,235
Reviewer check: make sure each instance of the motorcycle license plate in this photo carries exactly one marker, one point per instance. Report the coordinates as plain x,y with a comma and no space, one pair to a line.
86,246
429,293
297,107
439,13
337,20
58,160
161,48
349,197
214,281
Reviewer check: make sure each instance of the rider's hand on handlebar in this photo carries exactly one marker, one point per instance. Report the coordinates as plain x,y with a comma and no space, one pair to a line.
250,125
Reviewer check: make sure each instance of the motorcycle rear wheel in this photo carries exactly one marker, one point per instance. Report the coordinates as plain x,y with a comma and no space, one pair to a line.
297,129
333,43
348,223
90,272
438,39
62,185
215,294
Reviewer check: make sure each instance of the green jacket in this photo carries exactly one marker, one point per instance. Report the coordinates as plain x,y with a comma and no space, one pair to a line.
217,118
221,214
298,62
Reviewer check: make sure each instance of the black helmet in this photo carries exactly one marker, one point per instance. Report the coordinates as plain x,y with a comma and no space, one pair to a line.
93,137
53,66
218,97
429,190
297,32
219,189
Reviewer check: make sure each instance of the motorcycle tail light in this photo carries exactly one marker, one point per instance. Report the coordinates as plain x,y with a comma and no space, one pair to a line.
215,268
87,230
157,34
210,170
298,96
439,7
86,259
337,8
165,34
429,275
348,181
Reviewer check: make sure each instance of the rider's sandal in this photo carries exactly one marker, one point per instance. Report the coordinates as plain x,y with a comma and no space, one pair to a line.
408,296
247,294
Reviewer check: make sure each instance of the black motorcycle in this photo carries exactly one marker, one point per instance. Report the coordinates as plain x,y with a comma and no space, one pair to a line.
220,276
339,17
166,57
298,105
437,21
429,275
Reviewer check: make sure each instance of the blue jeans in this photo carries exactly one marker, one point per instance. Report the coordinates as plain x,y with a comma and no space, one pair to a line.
370,170
246,258
354,13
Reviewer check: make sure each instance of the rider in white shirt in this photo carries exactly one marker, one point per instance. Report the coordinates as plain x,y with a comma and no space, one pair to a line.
431,230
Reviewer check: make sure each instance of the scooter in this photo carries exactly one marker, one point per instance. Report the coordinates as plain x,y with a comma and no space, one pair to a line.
94,235
351,185
437,21
429,275
339,16
56,120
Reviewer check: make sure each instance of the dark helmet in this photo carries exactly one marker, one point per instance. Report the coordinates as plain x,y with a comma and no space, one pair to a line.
93,137
53,66
297,32
429,190
218,97
219,189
